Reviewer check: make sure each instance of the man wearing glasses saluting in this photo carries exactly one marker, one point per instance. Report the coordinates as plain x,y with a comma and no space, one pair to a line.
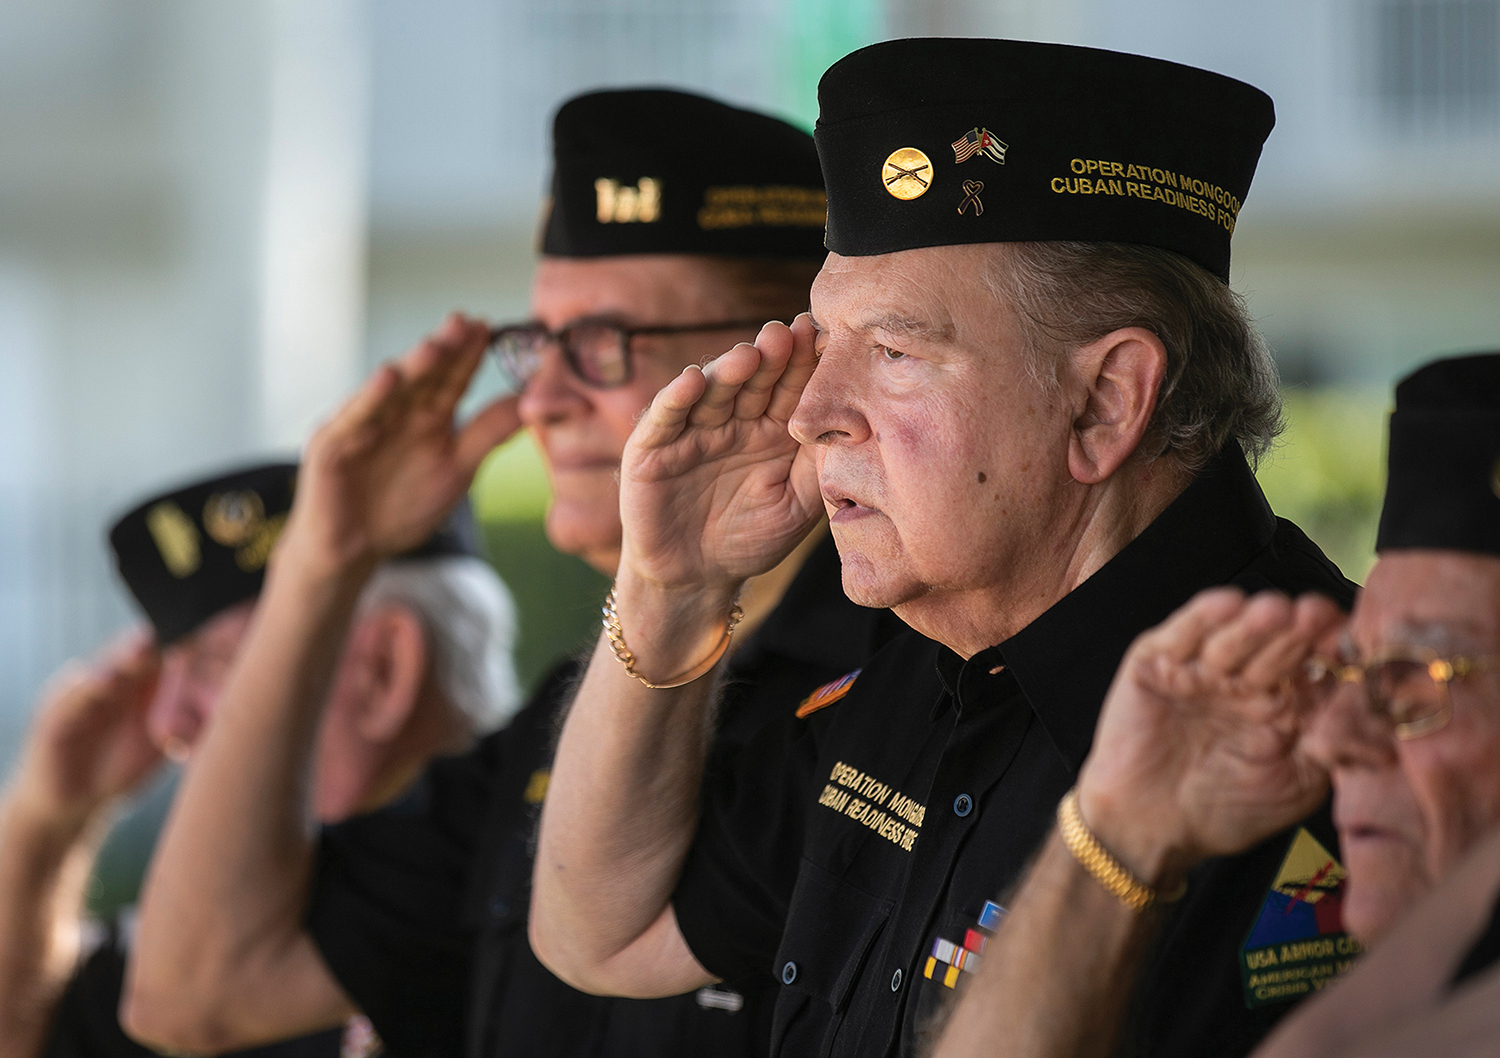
1235,715
658,251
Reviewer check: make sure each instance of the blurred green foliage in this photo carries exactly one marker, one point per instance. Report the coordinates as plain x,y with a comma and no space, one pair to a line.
816,34
558,596
1327,472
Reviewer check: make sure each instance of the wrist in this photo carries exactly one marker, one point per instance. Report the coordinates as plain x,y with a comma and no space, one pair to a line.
45,825
670,629
1139,838
297,558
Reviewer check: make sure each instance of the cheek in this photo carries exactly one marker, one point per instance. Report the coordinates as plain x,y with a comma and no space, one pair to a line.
1456,781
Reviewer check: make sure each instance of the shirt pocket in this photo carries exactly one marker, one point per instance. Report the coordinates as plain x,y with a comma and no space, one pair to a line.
831,928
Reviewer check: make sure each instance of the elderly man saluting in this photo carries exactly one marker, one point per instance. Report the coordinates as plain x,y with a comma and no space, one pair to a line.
1025,397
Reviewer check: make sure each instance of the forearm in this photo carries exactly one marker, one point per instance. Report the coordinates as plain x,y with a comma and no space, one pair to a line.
44,869
1056,978
622,804
221,913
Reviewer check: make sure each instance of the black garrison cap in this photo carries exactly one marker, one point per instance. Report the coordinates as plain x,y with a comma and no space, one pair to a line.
1444,486
942,141
191,553
651,170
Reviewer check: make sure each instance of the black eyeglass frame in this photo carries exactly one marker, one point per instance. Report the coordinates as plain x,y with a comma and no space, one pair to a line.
1442,671
563,338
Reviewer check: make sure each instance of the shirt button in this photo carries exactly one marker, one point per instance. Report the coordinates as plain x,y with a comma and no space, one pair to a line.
896,981
962,805
788,973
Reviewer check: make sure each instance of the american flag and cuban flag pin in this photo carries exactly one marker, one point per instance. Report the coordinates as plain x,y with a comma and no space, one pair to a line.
979,141
964,958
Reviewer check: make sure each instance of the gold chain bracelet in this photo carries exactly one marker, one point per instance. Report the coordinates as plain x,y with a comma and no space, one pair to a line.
616,636
1105,869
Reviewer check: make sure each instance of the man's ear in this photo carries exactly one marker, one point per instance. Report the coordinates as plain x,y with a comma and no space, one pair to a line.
395,657
1121,376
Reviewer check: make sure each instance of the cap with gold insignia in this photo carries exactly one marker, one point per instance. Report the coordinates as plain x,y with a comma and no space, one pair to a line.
654,171
192,553
943,141
1443,491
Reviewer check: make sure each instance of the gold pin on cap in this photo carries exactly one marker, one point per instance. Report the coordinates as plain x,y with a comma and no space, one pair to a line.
907,173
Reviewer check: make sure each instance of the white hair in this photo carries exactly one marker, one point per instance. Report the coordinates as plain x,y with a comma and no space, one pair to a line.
470,621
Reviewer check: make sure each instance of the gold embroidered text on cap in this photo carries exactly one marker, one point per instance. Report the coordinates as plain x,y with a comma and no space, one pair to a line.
907,173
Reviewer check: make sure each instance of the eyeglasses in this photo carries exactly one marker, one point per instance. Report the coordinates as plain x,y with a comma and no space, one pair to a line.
1407,687
597,351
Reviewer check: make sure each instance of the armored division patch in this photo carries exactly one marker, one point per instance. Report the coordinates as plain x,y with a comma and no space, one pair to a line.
1298,943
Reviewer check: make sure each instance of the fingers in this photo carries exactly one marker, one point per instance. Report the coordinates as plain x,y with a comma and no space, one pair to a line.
775,343
491,427
1180,637
726,376
667,415
794,377
1260,627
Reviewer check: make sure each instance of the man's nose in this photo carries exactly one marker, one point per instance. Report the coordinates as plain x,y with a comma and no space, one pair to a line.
1343,733
552,393
828,412
176,716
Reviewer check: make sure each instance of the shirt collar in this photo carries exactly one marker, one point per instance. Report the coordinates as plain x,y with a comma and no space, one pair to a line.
1065,659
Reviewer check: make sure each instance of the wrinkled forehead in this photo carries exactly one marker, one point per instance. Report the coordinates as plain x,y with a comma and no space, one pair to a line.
1445,600
937,293
636,288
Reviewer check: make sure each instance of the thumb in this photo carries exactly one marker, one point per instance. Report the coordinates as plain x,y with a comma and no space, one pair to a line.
491,427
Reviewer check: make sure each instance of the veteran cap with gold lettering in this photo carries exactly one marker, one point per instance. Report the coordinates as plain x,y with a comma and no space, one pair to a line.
189,554
1443,491
658,171
945,141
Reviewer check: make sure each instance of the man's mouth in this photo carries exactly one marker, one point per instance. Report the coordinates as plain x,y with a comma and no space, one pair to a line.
844,509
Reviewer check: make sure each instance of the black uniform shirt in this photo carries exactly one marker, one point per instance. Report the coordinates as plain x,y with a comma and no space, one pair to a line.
1483,953
420,910
86,1023
916,800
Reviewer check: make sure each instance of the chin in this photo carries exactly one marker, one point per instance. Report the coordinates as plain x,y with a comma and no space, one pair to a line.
582,529
1370,909
871,583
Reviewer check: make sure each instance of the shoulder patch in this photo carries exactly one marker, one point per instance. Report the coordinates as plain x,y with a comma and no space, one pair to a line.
826,695
1298,944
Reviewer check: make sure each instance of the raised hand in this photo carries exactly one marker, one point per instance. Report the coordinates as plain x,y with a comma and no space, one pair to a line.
713,487
88,742
1196,752
381,475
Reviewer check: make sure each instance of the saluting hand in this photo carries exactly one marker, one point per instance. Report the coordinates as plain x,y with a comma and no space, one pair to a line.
1196,752
88,742
714,489
379,477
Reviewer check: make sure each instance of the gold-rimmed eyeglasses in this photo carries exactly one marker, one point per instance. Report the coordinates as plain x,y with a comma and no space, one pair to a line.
1408,687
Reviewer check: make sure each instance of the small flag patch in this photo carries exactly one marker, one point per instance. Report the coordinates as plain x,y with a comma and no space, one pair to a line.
826,695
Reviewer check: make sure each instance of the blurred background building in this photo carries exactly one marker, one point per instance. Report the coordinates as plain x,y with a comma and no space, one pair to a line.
215,217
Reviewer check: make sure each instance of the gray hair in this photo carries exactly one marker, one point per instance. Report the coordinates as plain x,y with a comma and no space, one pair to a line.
470,621
1221,383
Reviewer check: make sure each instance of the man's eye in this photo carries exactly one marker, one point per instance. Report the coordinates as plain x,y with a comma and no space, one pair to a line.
891,354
